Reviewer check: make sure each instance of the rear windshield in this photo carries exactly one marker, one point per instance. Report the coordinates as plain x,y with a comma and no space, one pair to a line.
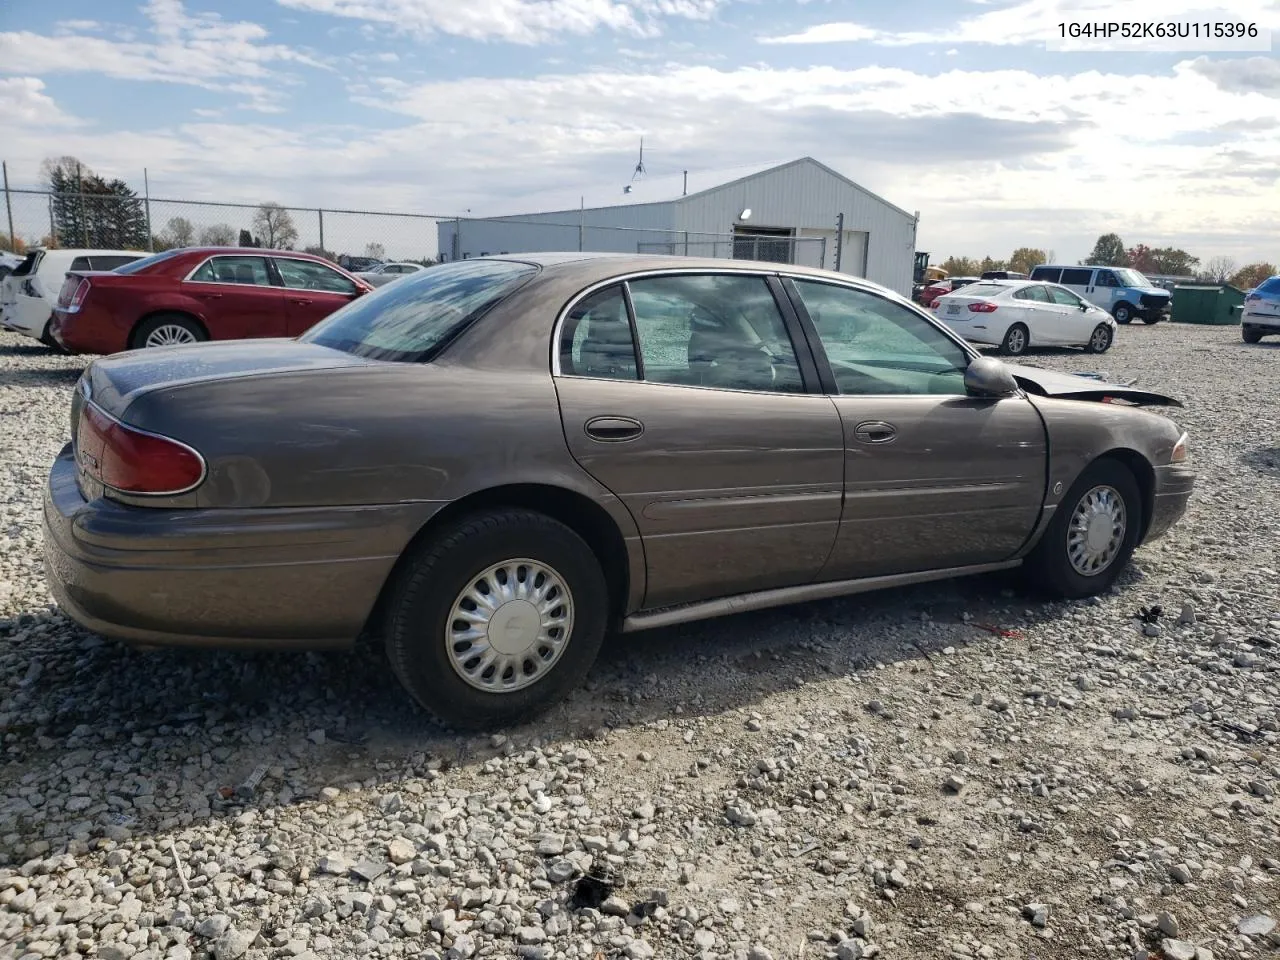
982,289
28,265
139,265
1271,285
412,320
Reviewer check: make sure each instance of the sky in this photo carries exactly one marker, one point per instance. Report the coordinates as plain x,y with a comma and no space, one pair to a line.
956,108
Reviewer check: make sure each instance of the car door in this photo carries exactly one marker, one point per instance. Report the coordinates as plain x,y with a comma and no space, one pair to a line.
1079,317
1079,280
1043,317
934,478
684,395
237,297
312,292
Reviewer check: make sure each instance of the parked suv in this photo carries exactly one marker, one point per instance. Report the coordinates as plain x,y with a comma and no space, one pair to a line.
199,293
1122,292
1261,316
28,293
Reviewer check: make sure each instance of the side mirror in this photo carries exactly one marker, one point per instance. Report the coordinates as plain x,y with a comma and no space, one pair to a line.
986,377
1084,306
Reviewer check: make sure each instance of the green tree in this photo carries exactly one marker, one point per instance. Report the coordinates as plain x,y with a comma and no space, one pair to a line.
960,267
1109,251
1250,276
274,225
1026,259
247,239
990,264
91,211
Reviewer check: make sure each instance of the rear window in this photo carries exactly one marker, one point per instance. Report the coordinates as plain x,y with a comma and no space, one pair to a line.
137,266
982,290
110,261
28,264
412,320
1271,285
1081,278
80,263
1051,274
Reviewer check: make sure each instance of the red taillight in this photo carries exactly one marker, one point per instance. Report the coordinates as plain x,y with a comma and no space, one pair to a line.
133,461
982,307
72,294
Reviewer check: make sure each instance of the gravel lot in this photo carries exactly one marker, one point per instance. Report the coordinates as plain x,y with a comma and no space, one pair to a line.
879,776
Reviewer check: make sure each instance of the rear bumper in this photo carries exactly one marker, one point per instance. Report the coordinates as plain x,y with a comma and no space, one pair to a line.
86,332
302,578
1173,486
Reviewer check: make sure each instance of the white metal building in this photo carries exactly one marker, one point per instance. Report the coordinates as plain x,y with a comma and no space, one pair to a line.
785,213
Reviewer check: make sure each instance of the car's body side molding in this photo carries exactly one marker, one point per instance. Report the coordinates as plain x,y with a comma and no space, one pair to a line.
782,596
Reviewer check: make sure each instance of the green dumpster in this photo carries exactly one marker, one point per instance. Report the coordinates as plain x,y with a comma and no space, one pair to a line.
1216,303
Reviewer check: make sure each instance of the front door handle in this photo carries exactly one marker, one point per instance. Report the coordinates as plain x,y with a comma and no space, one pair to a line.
613,429
875,431
210,296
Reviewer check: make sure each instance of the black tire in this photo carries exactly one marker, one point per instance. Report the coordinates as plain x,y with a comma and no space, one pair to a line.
1151,319
1049,568
1099,340
1016,340
1250,336
436,575
1123,313
176,321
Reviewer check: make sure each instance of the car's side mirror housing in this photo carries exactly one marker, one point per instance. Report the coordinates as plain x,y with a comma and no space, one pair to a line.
987,377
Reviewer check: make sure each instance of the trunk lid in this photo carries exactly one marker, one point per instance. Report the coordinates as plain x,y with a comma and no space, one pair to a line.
1094,387
114,382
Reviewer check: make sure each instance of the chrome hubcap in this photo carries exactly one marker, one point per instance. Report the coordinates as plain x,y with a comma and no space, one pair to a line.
168,335
509,626
1096,531
1016,341
1100,337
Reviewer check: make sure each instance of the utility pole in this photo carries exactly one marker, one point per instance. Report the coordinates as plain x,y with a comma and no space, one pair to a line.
582,219
84,220
8,206
839,239
146,193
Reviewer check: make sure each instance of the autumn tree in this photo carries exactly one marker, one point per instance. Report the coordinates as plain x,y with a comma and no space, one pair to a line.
14,244
375,251
1218,270
218,235
1165,261
990,264
179,232
1252,275
1026,259
1109,251
274,226
960,267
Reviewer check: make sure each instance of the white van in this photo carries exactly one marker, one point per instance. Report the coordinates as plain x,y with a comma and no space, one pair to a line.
28,294
1122,292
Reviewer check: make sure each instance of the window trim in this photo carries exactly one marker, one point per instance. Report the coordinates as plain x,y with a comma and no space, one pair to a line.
271,274
808,376
278,274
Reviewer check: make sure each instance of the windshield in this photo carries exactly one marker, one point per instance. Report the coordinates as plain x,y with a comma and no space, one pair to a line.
139,265
1132,278
411,320
1271,285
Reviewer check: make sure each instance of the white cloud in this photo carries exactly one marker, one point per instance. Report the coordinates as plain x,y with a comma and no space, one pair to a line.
993,159
515,21
842,32
23,101
197,49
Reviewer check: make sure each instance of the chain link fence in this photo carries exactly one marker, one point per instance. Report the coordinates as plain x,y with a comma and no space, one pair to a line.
352,238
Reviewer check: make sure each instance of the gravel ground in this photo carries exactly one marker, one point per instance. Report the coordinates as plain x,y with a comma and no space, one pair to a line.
883,776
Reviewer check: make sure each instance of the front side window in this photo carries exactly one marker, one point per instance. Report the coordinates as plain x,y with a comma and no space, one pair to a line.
412,322
1107,279
251,271
876,346
714,330
307,275
1064,298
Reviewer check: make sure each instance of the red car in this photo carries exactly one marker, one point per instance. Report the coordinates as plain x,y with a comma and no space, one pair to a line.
929,295
199,293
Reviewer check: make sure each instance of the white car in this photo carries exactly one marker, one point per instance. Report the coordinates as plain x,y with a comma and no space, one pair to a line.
9,262
1016,314
28,294
1261,314
386,272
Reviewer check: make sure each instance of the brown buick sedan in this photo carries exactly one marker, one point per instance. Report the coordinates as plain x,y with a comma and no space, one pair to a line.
495,462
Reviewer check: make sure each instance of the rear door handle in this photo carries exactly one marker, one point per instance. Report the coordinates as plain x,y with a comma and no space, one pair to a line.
875,431
613,429
210,296
303,303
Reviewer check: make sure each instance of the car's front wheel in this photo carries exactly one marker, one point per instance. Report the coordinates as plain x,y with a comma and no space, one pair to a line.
1092,535
1123,313
1099,340
1249,335
497,618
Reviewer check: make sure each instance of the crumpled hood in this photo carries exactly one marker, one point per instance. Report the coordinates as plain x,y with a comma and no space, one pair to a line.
1050,383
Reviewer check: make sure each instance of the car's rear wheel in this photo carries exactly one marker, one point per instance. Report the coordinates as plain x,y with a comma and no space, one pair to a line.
1250,336
1015,341
1099,340
497,618
1092,535
167,330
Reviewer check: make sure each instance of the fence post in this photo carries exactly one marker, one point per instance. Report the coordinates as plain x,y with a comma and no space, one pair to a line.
822,254
839,239
53,227
8,206
146,192
84,217
320,215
